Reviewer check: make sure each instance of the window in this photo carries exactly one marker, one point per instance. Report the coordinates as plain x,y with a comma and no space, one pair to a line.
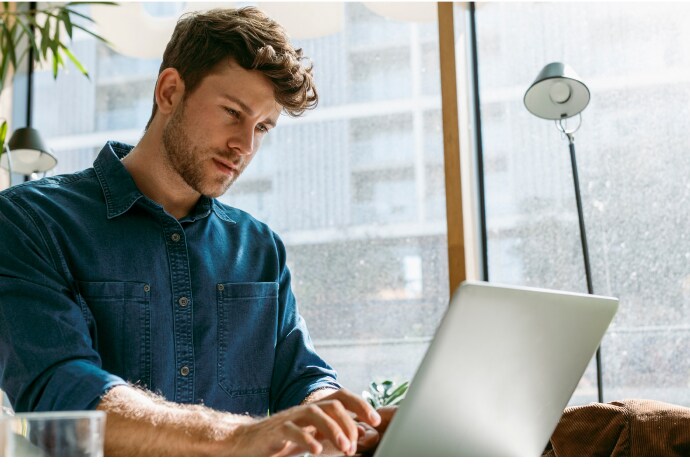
354,188
633,168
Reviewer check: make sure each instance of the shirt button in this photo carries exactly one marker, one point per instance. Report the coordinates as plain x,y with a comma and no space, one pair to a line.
175,237
221,287
147,288
184,301
184,371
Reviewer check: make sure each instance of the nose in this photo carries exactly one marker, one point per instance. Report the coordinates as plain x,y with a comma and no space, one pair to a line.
242,139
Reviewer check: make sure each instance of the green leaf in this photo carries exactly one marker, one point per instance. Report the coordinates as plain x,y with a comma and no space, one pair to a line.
91,3
4,68
370,399
56,33
3,134
397,394
56,63
45,36
9,47
102,39
3,44
77,13
64,16
29,33
386,393
27,28
75,61
66,7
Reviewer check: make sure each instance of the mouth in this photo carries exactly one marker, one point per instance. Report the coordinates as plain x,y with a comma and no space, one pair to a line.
225,168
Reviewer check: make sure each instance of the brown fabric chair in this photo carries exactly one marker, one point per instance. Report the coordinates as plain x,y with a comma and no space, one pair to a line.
622,428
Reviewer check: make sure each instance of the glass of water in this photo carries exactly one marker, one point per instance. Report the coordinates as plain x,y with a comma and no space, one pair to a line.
68,433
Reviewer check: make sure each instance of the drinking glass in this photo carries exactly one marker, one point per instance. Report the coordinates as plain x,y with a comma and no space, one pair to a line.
67,433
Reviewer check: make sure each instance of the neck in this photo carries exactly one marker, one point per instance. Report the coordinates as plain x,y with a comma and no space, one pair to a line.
156,179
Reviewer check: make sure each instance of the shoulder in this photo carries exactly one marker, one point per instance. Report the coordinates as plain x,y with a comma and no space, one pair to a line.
242,219
52,189
250,228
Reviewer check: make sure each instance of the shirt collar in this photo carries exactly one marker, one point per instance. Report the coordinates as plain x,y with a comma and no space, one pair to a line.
121,192
220,211
117,184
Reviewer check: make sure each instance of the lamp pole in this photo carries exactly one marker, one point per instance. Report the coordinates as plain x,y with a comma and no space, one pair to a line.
585,249
558,94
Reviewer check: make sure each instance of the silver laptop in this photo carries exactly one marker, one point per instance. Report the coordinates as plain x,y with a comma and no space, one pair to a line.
500,370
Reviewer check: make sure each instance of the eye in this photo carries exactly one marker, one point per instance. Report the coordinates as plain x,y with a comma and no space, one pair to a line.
262,128
231,112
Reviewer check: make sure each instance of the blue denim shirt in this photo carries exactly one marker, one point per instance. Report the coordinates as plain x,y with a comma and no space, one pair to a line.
99,285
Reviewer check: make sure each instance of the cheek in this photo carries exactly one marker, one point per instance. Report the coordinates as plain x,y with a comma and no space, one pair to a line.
257,143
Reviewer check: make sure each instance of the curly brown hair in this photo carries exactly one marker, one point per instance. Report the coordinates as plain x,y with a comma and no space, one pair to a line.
203,39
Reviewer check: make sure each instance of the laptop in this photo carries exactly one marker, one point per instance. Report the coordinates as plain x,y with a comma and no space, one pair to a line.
501,368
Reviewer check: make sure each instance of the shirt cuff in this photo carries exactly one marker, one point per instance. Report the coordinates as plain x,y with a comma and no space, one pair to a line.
75,386
308,398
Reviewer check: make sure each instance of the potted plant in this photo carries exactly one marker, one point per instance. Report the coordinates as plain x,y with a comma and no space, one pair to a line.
40,33
386,393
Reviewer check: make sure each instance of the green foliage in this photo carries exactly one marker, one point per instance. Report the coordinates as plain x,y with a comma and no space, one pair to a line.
39,29
386,393
3,134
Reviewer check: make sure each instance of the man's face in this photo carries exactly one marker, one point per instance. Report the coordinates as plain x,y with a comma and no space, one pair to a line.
215,131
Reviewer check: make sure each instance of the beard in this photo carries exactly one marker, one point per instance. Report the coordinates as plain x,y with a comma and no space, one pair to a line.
188,160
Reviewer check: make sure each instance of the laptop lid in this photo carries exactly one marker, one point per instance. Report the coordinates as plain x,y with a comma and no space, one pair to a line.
501,368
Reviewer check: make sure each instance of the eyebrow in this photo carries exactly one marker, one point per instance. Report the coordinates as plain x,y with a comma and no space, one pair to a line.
248,110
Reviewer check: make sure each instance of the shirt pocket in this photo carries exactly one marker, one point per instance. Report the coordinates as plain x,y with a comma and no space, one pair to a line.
247,335
123,327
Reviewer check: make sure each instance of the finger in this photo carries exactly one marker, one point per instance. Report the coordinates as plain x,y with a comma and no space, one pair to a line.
301,439
331,425
359,406
367,441
386,413
336,410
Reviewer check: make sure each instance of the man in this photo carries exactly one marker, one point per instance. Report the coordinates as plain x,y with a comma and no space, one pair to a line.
130,278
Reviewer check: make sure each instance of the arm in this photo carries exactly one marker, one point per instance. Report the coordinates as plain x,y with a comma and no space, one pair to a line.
141,424
298,370
47,358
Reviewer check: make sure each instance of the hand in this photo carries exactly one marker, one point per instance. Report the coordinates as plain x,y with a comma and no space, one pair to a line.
369,437
302,429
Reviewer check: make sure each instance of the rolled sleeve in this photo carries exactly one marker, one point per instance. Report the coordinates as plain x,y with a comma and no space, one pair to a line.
47,357
298,369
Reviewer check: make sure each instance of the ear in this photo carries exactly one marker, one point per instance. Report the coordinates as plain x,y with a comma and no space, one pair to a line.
169,90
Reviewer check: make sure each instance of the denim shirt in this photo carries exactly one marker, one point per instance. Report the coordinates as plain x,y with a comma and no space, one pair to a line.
99,286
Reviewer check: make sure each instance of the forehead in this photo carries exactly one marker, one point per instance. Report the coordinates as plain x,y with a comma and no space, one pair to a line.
229,78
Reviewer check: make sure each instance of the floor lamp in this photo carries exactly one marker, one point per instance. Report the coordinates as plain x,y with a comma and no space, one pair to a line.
558,94
27,154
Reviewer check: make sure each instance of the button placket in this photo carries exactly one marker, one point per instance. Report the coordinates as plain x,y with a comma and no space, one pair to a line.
182,300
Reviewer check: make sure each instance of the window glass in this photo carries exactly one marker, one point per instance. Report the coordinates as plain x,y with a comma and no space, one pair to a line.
633,168
355,188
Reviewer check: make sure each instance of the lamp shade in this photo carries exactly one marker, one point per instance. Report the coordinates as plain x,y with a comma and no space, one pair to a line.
29,153
557,93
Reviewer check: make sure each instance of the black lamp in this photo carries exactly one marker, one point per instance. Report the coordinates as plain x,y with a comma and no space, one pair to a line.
558,94
26,153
